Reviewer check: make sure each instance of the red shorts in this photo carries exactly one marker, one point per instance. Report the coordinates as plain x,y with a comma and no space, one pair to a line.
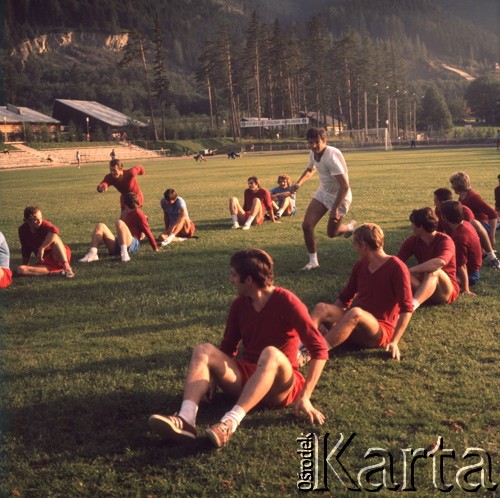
387,333
50,262
189,232
257,221
6,279
247,369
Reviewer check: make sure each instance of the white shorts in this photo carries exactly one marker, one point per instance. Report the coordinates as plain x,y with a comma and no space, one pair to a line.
328,200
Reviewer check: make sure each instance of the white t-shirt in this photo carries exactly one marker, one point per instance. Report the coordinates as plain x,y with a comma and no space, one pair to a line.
332,163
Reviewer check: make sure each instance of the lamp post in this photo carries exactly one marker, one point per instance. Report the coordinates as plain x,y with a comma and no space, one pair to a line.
88,129
5,128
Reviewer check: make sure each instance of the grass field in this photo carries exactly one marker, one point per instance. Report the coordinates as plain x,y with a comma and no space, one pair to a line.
84,362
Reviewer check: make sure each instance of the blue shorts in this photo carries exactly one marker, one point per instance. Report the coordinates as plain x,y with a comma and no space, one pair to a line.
474,278
134,246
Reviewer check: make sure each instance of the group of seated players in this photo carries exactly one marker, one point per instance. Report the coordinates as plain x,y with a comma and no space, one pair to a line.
372,310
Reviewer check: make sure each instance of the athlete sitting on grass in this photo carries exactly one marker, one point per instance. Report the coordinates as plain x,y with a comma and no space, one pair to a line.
129,233
178,225
283,198
269,321
375,307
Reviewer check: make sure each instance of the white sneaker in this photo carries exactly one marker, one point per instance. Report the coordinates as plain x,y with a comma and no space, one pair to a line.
165,243
125,257
350,228
89,258
311,266
235,225
245,227
492,261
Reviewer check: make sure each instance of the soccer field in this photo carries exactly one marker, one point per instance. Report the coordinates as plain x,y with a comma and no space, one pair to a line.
84,362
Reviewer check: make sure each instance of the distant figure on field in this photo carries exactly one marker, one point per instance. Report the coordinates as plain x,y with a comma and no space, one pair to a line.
200,157
413,144
232,155
178,225
333,194
257,200
112,154
433,279
283,198
483,212
49,158
124,181
6,151
5,272
375,306
467,245
498,139
42,238
496,193
129,232
268,321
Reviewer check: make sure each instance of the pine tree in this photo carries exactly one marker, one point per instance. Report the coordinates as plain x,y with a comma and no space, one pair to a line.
160,82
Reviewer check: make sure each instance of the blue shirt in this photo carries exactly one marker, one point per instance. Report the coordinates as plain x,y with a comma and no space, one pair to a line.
173,211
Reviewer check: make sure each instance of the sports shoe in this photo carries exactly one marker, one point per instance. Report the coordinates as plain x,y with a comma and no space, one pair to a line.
220,433
165,243
245,227
89,258
311,266
68,273
125,257
492,261
235,225
350,229
172,428
278,215
303,356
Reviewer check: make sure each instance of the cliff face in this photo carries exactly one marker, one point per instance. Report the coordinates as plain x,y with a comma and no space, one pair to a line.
60,42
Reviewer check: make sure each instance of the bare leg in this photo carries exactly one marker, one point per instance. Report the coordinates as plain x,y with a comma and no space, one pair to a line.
123,233
435,287
326,314
32,271
315,211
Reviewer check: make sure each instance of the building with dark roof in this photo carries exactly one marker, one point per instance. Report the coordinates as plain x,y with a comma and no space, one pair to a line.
13,120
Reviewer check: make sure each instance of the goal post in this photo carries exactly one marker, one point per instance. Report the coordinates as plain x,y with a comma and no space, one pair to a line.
368,137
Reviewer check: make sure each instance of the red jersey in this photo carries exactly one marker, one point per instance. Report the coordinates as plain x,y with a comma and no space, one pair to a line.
283,323
31,241
467,247
126,183
262,194
497,197
385,293
443,227
138,224
483,212
441,247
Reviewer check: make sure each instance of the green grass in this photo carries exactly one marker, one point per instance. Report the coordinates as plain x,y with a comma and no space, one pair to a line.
85,362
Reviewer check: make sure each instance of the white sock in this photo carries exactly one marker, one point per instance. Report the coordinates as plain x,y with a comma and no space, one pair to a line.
280,212
170,238
313,258
188,411
234,416
234,218
249,220
492,254
93,250
416,304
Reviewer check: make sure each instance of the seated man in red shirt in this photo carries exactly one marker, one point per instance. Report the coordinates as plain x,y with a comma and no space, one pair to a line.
483,212
257,200
5,273
42,238
443,194
129,233
375,307
269,321
124,180
467,246
433,279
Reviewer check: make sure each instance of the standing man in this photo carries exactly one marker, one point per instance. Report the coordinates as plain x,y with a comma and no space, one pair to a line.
380,287
124,180
257,200
178,225
434,278
269,321
333,194
42,238
78,158
5,273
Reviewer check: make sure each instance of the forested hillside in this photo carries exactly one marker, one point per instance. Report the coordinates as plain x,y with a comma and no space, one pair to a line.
283,54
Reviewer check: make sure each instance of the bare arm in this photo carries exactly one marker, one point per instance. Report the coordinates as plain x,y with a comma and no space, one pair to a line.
341,195
402,323
303,402
463,276
428,266
303,178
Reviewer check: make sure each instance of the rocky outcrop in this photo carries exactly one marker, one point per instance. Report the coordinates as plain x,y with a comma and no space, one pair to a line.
58,42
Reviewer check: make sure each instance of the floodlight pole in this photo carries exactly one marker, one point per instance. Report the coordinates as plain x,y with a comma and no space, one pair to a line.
5,128
88,129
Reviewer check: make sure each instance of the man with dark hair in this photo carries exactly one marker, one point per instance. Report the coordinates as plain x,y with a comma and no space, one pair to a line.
443,194
129,233
375,307
124,180
433,279
257,200
269,321
467,245
42,238
178,225
333,194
